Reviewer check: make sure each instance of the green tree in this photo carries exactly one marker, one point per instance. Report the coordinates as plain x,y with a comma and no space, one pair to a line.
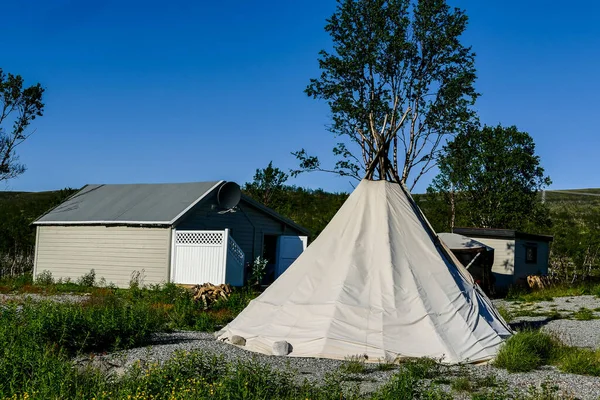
490,176
19,106
17,236
267,185
312,209
398,80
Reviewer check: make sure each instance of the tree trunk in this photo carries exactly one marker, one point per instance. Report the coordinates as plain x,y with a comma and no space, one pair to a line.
452,210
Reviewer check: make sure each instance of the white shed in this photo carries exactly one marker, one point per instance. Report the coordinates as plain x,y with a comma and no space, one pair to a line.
166,232
516,254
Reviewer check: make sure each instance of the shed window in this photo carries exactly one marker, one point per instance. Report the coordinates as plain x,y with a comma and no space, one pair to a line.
531,251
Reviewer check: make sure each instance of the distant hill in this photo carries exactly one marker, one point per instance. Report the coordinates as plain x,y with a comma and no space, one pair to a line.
36,203
574,197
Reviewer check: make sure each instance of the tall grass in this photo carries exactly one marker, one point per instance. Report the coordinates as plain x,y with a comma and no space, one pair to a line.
581,361
38,339
517,293
528,350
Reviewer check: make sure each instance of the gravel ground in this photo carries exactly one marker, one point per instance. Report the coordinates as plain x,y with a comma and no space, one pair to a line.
576,333
59,298
564,305
165,345
570,331
569,385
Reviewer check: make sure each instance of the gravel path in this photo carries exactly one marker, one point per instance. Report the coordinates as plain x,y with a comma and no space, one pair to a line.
564,305
572,332
166,344
59,298
570,385
576,333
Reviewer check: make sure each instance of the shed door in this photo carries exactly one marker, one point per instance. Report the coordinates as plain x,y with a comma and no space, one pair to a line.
288,249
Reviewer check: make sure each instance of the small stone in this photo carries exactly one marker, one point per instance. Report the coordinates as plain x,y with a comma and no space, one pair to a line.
238,340
282,348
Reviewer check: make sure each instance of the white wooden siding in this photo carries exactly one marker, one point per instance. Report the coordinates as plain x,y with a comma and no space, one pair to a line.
113,252
199,257
504,259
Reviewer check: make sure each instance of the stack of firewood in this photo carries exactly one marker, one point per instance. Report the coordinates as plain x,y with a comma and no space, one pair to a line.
539,281
208,293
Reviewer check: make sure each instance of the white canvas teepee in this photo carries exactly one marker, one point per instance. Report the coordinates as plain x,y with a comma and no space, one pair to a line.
376,282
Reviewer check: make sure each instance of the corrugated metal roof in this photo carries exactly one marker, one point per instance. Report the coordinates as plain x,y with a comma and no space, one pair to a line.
156,204
454,241
494,233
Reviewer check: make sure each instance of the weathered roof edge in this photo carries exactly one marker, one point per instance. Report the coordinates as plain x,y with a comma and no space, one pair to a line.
274,214
501,234
58,205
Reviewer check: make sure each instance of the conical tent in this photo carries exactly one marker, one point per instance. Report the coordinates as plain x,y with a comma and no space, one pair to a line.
376,282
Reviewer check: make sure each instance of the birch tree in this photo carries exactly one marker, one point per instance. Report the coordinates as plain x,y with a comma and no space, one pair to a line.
397,81
490,178
19,106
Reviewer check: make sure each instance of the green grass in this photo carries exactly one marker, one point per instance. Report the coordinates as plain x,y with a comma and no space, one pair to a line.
175,303
516,293
486,381
353,365
510,315
584,314
406,383
462,384
526,351
386,365
38,341
31,368
580,361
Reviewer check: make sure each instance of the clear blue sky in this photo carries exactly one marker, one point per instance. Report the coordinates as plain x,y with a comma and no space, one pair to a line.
145,91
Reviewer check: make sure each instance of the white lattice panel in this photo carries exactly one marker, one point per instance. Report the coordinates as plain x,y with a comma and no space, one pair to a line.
201,238
235,251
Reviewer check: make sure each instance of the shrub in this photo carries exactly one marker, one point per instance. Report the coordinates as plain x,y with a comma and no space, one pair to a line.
581,361
526,351
87,280
486,381
354,364
386,364
422,368
237,300
462,384
136,281
99,325
546,391
16,283
259,269
405,384
584,314
211,320
44,278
